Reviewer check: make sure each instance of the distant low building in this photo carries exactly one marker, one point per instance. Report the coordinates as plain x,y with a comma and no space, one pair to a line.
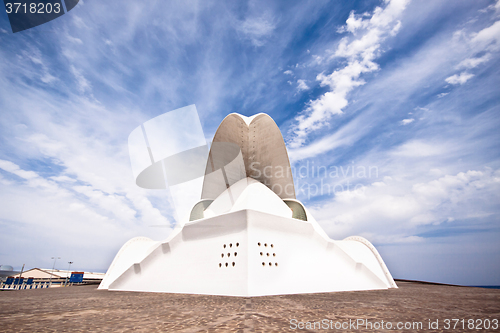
57,276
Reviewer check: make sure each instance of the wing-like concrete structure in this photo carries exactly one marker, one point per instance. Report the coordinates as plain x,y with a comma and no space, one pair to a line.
263,151
246,237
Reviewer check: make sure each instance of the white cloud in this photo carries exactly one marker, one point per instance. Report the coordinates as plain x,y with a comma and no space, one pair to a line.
77,143
488,38
114,203
74,40
459,78
407,121
495,7
98,223
360,53
39,69
63,179
474,62
396,28
288,72
347,135
257,29
418,148
390,214
302,85
352,23
82,83
14,168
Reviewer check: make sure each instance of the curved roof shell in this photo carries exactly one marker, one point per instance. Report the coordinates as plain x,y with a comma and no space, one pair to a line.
263,152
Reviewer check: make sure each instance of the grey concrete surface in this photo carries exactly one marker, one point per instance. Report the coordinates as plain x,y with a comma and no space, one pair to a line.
86,309
264,153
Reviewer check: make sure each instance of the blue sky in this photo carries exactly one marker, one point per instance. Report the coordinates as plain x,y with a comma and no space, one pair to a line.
406,88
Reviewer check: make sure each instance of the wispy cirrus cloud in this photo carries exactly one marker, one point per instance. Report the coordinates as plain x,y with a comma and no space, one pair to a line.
258,28
485,42
360,51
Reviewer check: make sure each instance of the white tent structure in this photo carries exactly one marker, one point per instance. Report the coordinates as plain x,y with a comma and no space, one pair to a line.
248,235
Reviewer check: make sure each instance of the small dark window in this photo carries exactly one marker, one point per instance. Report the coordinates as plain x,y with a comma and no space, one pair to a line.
229,254
276,264
268,254
261,253
224,245
220,265
235,254
270,264
263,264
226,264
258,244
222,255
231,245
272,245
265,244
274,254
237,244
233,264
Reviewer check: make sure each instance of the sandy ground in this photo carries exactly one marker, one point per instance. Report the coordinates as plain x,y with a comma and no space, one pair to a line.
86,309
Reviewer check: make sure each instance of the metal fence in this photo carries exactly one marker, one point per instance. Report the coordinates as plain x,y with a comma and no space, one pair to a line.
21,285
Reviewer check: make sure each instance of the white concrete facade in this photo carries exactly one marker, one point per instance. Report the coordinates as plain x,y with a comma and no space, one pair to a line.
249,241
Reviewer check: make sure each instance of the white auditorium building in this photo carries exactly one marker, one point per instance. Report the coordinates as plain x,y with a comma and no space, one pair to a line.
247,235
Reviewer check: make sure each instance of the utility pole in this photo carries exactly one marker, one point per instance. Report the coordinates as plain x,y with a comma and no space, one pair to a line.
54,266
20,276
66,282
